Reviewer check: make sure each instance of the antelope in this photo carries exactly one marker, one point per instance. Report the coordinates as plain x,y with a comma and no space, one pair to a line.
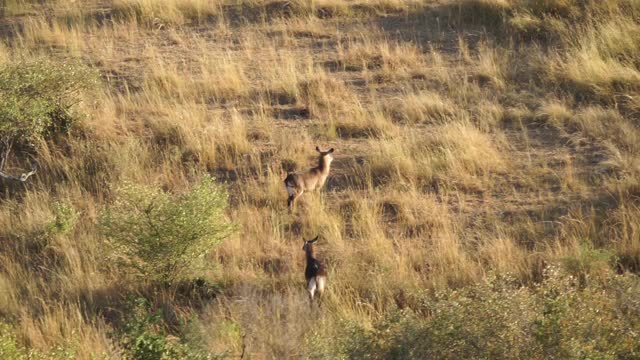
314,273
299,182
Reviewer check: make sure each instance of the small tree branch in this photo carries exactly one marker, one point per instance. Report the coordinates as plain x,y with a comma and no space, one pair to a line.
22,178
6,150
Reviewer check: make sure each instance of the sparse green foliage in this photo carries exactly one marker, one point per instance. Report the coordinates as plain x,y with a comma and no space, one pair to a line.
65,219
162,235
11,349
588,261
38,238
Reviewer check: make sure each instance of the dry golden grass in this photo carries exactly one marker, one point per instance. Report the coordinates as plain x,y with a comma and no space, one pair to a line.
166,13
422,107
460,151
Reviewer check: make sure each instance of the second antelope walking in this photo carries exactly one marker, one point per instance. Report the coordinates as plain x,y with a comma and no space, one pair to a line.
299,182
314,273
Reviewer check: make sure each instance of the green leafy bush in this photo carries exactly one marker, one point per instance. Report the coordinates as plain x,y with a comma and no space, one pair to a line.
143,336
162,235
499,319
37,99
9,347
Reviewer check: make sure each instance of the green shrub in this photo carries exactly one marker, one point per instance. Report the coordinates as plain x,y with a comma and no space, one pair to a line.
588,261
9,347
500,319
162,235
143,336
37,99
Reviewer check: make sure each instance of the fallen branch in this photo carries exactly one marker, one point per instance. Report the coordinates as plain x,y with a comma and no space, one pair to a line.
22,178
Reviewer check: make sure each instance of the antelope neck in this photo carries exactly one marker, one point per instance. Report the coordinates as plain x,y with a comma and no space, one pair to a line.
309,252
324,164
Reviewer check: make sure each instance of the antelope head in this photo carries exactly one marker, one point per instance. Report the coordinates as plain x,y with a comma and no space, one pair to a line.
308,244
325,155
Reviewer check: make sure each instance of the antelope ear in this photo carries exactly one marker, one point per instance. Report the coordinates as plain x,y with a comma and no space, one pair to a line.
330,151
318,149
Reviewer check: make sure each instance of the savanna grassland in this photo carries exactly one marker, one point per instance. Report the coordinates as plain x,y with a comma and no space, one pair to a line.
484,201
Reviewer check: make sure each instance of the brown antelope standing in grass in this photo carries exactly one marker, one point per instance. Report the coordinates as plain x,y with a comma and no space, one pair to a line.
299,182
314,273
